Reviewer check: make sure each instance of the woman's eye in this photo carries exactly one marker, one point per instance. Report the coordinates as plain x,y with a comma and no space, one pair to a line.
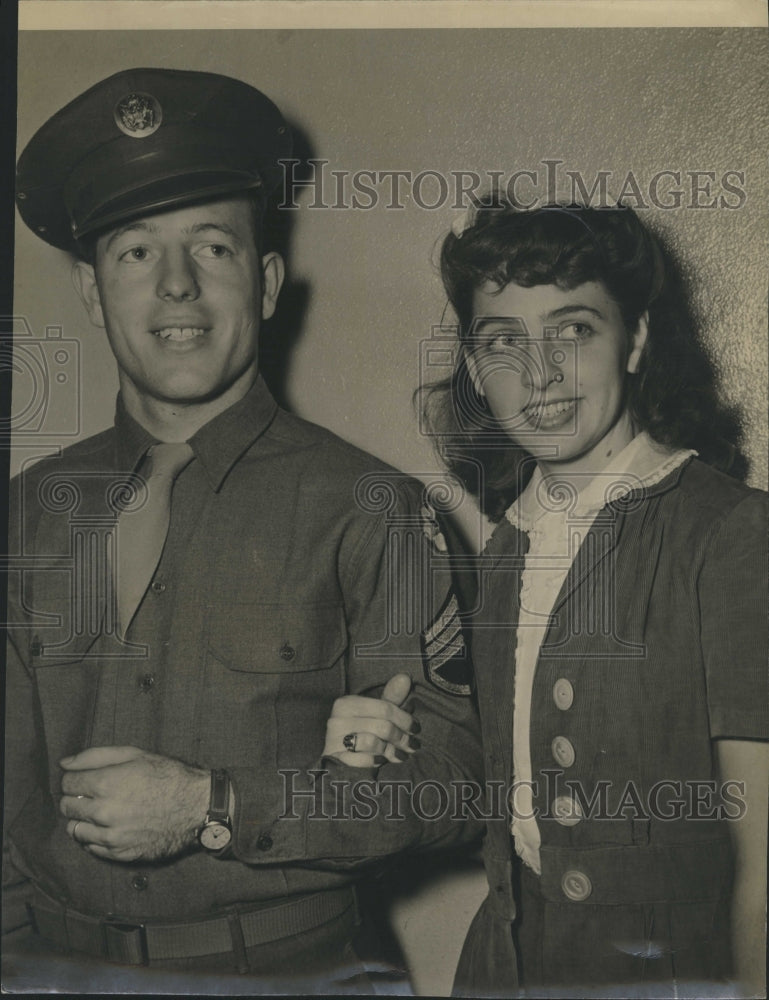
505,340
576,330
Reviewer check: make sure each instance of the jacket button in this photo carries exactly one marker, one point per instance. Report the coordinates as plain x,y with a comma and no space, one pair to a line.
563,751
158,586
566,810
287,652
576,886
139,882
264,843
147,683
563,694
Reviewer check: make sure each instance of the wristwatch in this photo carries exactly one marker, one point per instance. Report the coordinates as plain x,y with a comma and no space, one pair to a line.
216,832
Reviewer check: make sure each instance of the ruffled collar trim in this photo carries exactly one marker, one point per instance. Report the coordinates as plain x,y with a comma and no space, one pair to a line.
641,464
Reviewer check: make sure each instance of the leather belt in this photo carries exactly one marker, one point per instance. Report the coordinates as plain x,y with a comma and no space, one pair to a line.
142,943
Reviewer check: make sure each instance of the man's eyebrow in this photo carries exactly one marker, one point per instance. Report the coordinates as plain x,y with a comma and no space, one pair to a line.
149,227
142,227
574,307
500,321
218,227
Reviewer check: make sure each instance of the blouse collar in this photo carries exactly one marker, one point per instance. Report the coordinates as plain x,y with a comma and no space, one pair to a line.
641,464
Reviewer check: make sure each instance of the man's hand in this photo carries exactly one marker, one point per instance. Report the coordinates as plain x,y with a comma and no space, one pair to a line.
381,729
124,803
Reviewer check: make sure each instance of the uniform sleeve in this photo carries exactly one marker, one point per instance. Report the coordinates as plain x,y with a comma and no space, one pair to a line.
22,763
733,614
402,615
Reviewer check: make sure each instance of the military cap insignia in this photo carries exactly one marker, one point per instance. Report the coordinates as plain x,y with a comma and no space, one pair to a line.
445,657
138,115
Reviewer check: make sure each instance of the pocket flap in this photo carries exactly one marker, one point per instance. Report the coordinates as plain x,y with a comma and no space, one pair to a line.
277,638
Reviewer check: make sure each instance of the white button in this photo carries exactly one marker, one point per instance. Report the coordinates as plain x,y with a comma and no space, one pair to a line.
566,810
576,885
563,693
563,751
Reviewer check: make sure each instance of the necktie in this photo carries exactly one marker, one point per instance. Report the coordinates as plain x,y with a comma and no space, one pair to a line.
142,533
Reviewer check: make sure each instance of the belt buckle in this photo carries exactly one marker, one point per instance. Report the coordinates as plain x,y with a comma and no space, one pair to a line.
126,943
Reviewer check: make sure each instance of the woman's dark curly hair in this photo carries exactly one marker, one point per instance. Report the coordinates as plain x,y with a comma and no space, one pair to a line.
673,395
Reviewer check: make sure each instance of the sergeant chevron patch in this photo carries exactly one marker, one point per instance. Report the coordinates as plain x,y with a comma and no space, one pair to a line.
444,653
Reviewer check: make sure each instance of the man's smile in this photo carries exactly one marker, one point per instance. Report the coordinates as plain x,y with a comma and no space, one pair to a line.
178,332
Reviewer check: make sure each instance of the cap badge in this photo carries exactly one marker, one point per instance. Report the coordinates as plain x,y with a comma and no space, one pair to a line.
138,115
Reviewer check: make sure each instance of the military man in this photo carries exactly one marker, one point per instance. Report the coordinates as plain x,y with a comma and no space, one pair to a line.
193,588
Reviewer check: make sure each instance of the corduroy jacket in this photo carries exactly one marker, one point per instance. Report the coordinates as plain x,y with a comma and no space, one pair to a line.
656,648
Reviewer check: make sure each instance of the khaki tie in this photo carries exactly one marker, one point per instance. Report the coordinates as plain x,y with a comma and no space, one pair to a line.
141,534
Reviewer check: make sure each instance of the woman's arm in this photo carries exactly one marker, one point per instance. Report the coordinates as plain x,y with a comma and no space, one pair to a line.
748,761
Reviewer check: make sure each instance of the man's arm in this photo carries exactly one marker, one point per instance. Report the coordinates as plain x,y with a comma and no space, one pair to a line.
401,617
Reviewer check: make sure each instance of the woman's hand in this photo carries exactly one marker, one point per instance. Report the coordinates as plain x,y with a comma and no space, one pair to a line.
365,732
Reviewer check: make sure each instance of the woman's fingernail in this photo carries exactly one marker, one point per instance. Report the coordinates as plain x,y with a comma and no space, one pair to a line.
415,727
380,759
400,754
414,743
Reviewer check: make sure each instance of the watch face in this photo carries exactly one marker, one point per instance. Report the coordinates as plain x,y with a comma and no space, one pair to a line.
215,836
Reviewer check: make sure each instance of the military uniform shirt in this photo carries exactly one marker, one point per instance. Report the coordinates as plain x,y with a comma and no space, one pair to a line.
284,583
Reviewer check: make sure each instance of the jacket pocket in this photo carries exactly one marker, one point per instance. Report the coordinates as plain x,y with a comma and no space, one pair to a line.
277,638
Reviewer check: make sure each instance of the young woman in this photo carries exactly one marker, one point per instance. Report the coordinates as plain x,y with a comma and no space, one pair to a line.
618,636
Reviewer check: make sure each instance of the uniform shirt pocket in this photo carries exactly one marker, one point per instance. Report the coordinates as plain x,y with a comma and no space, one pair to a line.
277,638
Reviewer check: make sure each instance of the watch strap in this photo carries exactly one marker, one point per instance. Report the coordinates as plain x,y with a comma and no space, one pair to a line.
218,807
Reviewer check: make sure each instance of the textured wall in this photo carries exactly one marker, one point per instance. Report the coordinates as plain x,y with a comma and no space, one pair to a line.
614,100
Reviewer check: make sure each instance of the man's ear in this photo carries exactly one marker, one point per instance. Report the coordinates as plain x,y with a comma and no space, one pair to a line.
472,367
273,272
639,342
84,280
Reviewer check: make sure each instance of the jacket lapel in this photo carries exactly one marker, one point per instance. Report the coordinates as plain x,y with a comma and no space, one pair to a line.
596,543
494,634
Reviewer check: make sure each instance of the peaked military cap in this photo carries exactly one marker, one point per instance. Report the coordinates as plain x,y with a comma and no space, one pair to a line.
145,140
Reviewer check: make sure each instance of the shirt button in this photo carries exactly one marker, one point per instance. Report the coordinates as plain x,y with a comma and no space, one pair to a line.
576,886
158,586
563,694
566,810
563,751
139,882
147,683
264,843
287,652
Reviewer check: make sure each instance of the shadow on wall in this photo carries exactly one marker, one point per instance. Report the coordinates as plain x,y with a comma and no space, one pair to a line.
284,330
